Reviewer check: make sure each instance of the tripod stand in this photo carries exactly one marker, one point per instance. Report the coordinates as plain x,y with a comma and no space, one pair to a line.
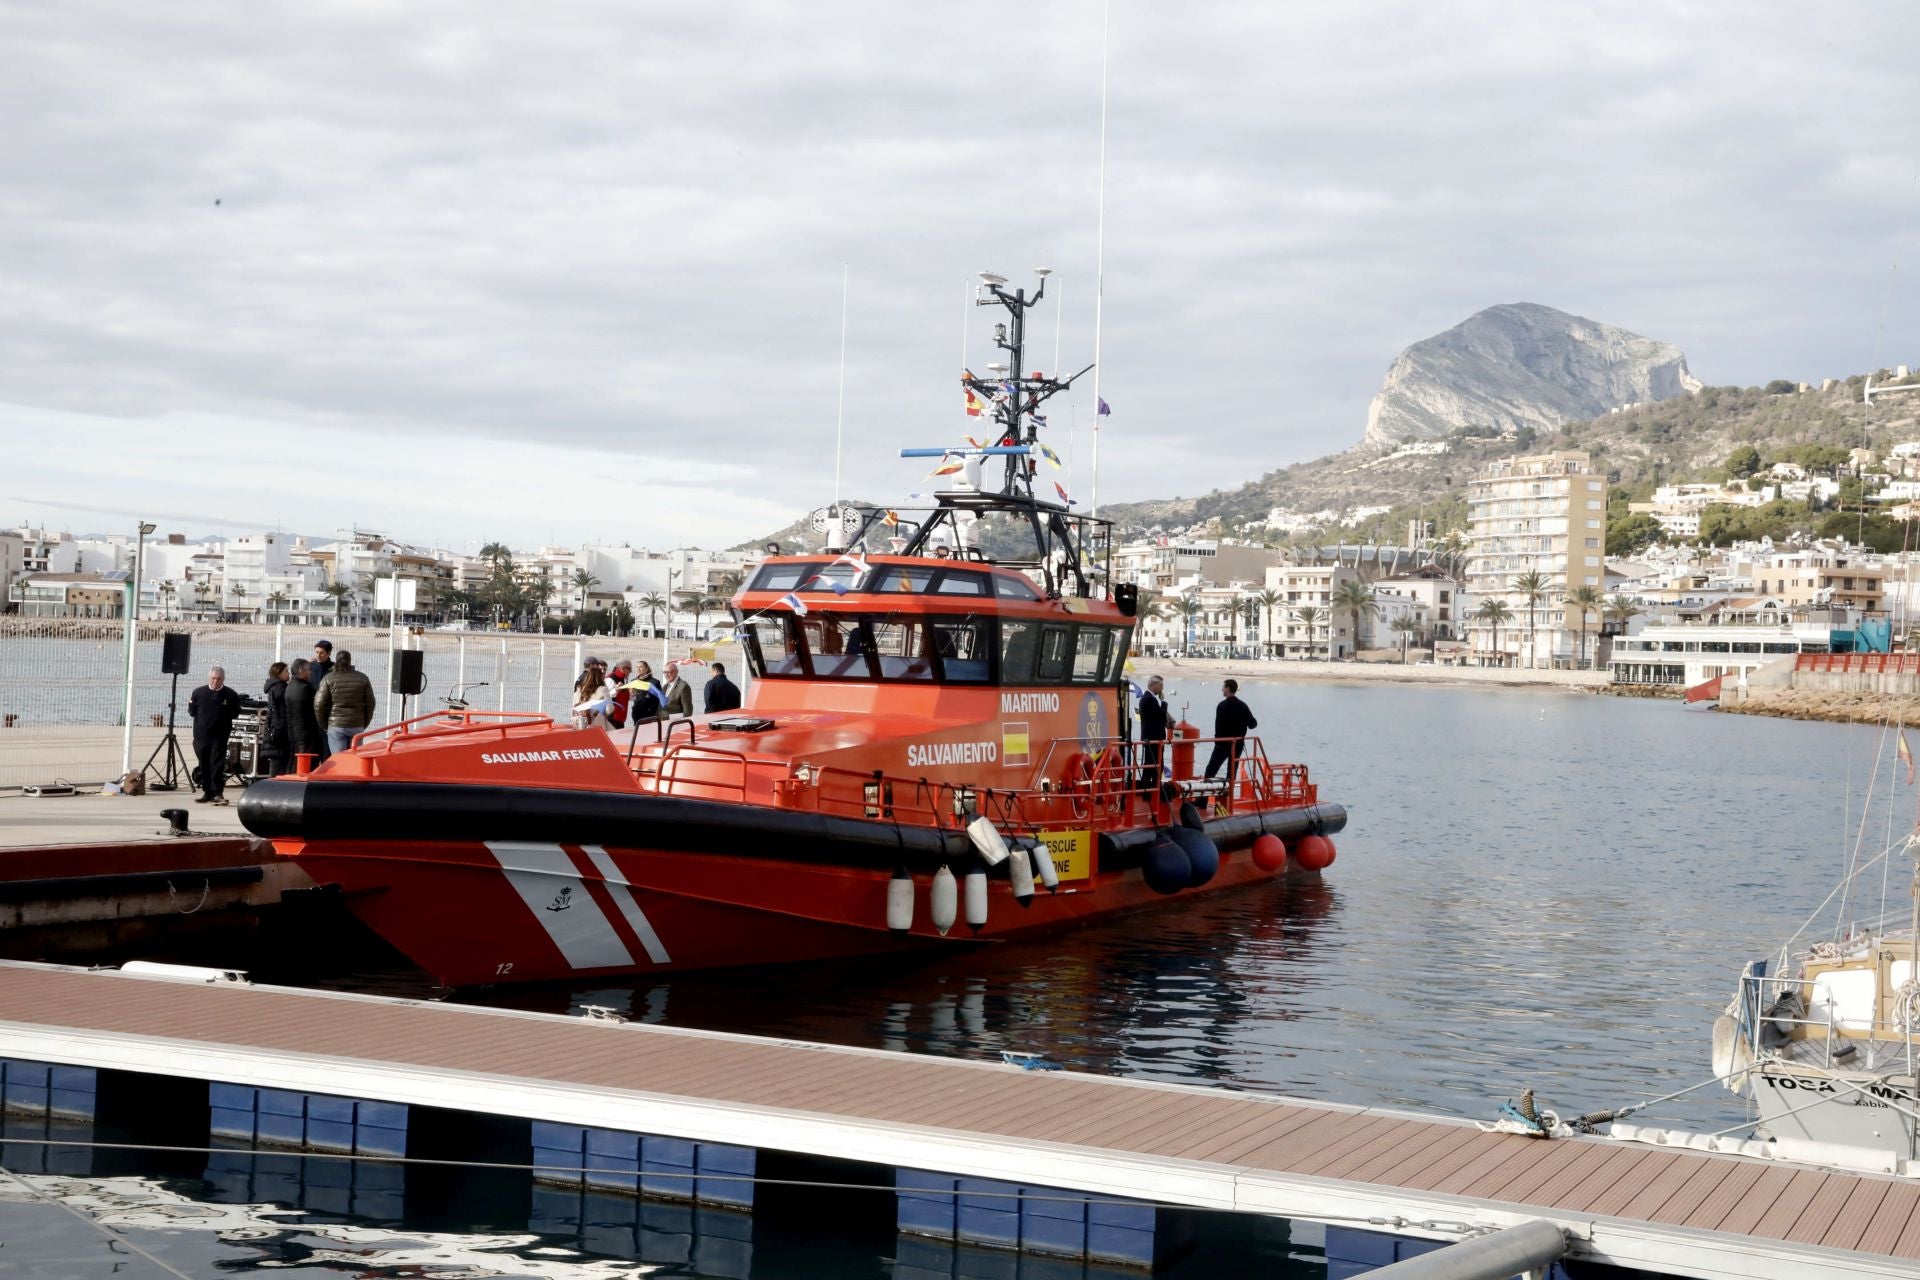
168,778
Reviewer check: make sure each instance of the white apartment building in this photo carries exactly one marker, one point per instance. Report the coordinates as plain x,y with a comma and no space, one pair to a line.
1437,596
1546,514
1329,634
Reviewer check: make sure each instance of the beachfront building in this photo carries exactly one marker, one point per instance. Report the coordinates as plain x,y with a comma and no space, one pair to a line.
70,595
1436,604
1542,514
1730,643
1305,623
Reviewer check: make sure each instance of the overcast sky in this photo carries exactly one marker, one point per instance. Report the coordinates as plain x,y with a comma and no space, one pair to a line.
464,272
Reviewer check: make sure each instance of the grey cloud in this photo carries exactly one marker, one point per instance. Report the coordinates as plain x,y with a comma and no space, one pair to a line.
625,227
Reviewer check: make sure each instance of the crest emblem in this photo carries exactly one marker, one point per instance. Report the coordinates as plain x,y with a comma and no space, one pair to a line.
561,900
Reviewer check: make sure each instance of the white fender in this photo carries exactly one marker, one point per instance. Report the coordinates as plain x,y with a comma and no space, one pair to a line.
900,901
1020,873
987,841
976,894
945,899
1043,863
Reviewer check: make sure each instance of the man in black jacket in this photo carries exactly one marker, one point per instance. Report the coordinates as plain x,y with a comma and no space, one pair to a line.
213,709
1153,732
721,694
303,727
1231,721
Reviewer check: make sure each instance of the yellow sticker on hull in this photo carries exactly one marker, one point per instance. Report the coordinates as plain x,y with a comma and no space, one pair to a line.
1072,853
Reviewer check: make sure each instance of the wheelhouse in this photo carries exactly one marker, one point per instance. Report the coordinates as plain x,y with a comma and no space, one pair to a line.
913,621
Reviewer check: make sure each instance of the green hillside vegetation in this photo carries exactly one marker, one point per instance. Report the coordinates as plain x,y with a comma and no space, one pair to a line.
1719,434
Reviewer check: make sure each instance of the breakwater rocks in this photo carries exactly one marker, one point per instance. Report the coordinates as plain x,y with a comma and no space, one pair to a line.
1645,691
1843,707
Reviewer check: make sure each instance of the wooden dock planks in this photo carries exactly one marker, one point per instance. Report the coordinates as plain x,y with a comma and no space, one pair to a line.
1210,1128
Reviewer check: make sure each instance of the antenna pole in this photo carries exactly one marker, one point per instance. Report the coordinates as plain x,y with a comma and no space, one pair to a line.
966,308
840,414
1100,258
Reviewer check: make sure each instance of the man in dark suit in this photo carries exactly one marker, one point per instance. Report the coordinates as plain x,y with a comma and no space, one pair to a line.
721,694
1153,732
1232,720
213,709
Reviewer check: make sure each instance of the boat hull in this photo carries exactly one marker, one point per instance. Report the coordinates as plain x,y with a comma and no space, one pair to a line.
493,885
510,911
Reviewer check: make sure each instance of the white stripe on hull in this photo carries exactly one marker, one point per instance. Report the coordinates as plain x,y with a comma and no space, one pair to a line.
547,881
622,892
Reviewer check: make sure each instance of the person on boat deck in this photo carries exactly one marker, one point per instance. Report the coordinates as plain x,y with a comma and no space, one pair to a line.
322,665
277,749
1153,731
647,694
590,687
1231,721
721,694
622,695
677,700
213,709
344,704
304,736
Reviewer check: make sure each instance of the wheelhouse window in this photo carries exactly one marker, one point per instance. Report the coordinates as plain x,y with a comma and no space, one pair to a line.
813,575
1008,587
902,650
1019,646
770,650
901,578
1056,654
1089,655
1117,654
963,647
961,582
836,646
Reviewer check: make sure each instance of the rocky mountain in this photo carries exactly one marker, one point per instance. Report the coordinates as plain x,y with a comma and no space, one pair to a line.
1519,366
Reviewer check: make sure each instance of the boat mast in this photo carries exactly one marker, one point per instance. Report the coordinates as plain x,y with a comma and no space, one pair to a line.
1014,393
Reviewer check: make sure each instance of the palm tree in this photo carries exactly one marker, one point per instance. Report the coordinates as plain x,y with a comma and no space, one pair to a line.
1190,608
1268,599
240,598
1534,586
1406,626
653,602
1356,597
729,583
538,592
700,603
584,582
1619,610
1586,599
277,601
1494,612
341,593
1309,614
497,553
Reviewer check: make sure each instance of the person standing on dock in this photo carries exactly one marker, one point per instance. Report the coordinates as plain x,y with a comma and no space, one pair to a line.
303,729
1232,721
277,747
1153,731
213,709
344,704
721,694
322,665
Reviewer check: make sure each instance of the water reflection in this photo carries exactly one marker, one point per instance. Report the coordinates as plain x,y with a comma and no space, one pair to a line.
1172,993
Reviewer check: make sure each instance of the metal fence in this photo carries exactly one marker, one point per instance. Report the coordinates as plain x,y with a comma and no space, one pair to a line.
63,683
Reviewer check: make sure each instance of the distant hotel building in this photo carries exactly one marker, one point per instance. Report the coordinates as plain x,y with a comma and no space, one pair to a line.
1544,513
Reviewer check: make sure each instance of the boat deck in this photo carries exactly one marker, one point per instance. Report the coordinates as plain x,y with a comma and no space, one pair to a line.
1682,1212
